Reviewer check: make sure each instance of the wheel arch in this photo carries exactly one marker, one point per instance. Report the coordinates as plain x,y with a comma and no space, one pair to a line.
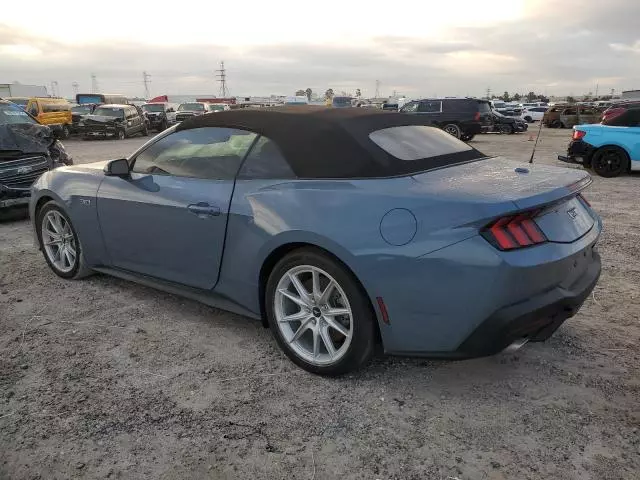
612,145
281,251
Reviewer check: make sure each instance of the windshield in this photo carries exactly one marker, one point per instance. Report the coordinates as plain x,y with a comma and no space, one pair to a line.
14,114
153,107
109,112
191,107
216,108
81,109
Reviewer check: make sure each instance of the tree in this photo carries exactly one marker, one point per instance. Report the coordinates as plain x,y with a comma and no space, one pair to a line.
531,96
517,97
328,93
358,93
570,99
308,93
300,93
506,97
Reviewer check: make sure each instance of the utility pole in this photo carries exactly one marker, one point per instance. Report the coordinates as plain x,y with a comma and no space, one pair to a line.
75,86
377,89
488,93
597,85
221,75
54,88
94,83
145,79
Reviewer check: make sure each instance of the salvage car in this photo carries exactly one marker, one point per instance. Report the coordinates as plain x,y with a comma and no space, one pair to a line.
338,228
161,115
461,117
116,121
27,149
508,124
564,116
78,114
191,109
609,150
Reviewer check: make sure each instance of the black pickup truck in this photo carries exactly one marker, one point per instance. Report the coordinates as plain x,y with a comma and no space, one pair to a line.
27,150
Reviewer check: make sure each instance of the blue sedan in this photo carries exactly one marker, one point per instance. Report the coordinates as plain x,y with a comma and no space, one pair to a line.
337,228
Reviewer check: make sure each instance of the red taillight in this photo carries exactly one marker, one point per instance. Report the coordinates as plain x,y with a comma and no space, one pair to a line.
578,134
477,117
516,231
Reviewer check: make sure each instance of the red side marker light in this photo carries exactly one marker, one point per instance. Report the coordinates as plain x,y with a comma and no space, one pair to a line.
383,310
578,134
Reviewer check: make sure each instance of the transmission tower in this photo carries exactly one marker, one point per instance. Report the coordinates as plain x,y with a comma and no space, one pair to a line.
377,89
75,86
221,75
54,88
488,93
145,79
94,83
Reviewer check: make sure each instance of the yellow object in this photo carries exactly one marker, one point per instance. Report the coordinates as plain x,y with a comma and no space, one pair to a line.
50,111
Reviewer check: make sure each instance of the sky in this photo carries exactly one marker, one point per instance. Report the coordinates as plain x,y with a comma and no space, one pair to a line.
415,48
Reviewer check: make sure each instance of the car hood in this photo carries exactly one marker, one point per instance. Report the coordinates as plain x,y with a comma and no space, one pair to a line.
100,119
25,138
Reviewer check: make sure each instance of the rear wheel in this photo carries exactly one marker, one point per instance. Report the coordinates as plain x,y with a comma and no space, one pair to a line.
318,313
528,119
610,162
145,131
556,124
453,129
59,242
467,137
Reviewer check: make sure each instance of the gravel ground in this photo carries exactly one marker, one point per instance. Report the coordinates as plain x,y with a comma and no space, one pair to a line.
106,379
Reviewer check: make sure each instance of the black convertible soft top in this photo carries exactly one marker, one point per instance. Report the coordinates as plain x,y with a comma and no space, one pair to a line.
321,142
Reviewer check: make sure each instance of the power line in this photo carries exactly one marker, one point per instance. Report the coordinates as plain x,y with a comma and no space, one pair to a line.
221,75
145,79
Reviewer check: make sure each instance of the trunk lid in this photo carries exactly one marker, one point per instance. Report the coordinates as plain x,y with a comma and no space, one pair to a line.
505,187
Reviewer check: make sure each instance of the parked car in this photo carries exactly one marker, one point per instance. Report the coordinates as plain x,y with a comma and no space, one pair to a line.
190,109
533,114
223,107
161,115
506,124
461,117
564,116
78,114
27,149
609,150
342,102
117,121
51,111
285,225
617,109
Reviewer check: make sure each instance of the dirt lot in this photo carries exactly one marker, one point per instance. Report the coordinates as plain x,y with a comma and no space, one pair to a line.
106,379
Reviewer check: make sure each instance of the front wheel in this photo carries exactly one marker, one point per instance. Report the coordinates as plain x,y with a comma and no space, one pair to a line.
610,162
121,135
528,119
467,137
59,243
453,129
319,314
505,129
145,131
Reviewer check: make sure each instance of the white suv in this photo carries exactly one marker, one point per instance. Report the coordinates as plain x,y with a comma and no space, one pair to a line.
533,114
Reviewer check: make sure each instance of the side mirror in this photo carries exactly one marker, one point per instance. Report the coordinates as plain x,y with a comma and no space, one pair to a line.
117,168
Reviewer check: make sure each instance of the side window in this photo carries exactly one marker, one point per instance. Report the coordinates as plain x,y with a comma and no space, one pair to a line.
430,106
411,107
265,161
213,153
33,109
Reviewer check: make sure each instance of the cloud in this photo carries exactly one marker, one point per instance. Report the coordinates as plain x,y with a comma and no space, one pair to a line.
558,46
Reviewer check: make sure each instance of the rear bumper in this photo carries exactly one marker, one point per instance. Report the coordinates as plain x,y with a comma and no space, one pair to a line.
535,319
578,152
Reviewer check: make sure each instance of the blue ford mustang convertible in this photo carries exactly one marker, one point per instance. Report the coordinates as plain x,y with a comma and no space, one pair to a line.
338,228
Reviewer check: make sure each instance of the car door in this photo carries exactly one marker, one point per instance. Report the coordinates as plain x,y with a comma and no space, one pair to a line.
168,219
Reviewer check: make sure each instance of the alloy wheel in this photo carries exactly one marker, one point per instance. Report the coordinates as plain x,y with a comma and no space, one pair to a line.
313,315
59,241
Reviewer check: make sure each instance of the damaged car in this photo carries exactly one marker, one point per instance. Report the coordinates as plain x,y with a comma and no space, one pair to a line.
506,124
160,115
114,121
27,150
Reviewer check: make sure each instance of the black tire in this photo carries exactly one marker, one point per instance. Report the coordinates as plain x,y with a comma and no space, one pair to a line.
80,269
163,126
121,134
528,119
467,137
66,133
505,129
610,161
556,124
453,129
364,327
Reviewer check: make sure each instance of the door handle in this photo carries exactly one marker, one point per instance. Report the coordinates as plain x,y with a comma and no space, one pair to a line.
203,209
